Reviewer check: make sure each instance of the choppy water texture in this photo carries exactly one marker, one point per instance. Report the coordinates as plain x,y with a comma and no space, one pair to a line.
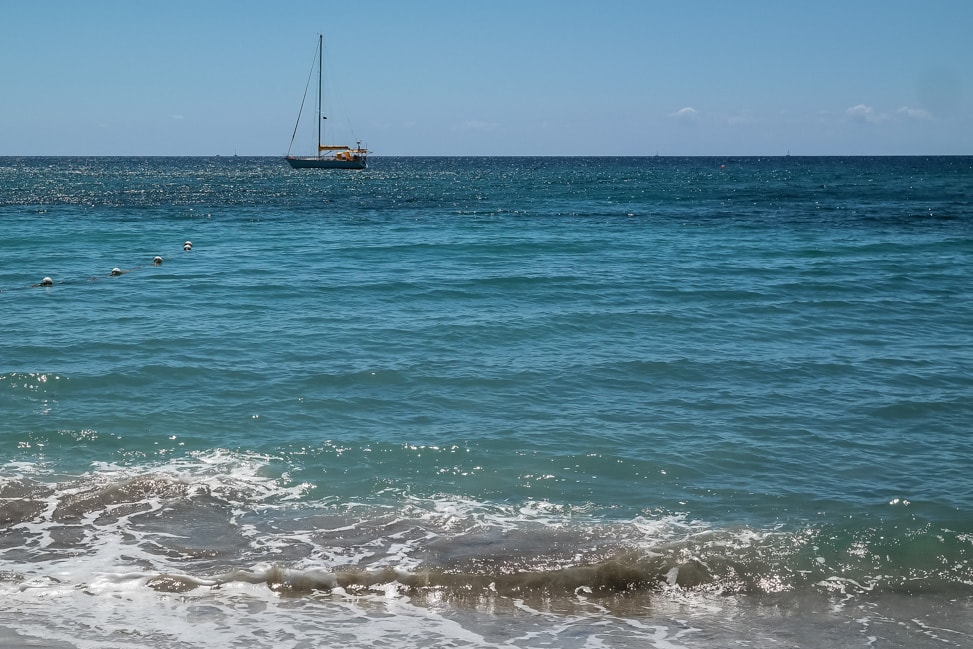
487,402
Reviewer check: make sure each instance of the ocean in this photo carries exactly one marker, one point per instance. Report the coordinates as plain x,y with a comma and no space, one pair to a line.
486,402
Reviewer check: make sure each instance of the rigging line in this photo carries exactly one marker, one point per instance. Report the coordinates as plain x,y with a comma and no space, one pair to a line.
310,74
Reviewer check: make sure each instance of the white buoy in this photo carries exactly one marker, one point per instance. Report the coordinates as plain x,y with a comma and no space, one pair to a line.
188,245
157,261
47,281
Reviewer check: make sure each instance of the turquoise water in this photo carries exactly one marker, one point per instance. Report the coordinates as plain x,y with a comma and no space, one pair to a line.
487,402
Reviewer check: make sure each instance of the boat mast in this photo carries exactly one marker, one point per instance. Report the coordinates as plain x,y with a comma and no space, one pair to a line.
320,107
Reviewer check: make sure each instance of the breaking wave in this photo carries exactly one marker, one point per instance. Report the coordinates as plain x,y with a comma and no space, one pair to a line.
220,518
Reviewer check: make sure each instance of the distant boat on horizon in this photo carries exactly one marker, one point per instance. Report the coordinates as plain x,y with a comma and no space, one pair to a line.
328,156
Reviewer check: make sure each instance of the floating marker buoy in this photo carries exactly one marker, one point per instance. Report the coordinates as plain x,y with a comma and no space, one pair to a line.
188,245
157,261
47,281
116,272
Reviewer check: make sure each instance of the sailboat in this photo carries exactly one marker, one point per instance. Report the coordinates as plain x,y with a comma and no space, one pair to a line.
330,156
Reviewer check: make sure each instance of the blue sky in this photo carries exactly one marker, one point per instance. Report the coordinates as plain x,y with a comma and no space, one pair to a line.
457,77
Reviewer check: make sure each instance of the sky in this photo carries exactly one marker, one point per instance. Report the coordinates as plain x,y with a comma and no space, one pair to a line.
489,78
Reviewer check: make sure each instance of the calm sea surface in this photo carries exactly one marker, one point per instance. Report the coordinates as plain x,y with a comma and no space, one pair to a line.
486,402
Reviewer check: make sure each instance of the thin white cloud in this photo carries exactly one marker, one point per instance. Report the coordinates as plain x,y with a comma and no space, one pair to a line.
914,113
864,114
686,113
178,117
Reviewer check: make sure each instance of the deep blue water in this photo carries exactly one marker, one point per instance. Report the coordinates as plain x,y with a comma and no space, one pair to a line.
488,402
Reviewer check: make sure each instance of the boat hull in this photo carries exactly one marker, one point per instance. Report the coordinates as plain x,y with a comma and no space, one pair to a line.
325,163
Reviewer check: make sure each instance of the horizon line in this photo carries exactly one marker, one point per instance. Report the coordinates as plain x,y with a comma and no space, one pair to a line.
606,155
